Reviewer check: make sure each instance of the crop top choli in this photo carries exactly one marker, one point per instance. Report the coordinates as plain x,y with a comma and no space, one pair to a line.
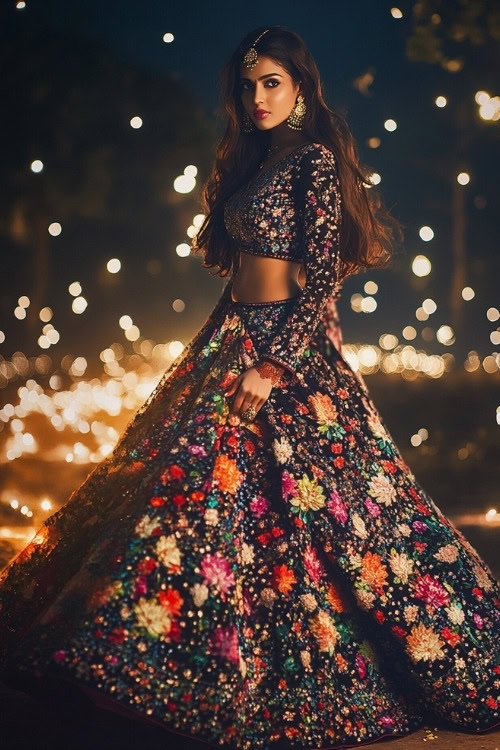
292,210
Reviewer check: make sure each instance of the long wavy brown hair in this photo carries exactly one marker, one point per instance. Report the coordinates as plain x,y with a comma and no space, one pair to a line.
368,230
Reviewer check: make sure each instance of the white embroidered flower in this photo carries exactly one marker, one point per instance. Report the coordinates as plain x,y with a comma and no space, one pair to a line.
144,527
448,553
355,560
247,553
309,602
455,614
168,552
199,592
268,596
381,488
211,516
242,666
364,598
401,565
305,658
152,616
459,662
359,526
377,427
482,577
410,613
404,529
282,450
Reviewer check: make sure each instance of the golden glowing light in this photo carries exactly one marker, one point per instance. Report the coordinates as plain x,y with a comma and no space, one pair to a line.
421,314
491,514
36,166
388,341
79,305
390,125
409,333
429,306
136,122
45,314
445,335
426,233
184,183
374,179
20,5
371,287
125,322
493,314
441,101
175,348
20,313
183,250
113,265
421,265
468,293
168,37
55,229
2,337
495,337
75,288
368,304
463,178
178,305
396,13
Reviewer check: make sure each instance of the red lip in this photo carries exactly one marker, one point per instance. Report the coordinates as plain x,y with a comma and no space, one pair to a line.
261,112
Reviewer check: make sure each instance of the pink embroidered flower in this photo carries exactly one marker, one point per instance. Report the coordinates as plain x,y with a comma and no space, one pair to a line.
360,666
197,450
224,643
372,508
336,507
478,621
217,572
431,591
313,565
259,506
288,485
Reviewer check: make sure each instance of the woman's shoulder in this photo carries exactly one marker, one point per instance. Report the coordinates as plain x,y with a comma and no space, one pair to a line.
316,154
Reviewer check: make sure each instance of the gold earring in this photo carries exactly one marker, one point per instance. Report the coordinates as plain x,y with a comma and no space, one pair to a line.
295,119
247,124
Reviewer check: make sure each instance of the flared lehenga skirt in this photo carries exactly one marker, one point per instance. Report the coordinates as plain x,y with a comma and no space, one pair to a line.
281,582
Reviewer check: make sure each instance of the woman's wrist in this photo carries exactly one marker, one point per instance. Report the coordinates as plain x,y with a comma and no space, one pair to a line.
270,370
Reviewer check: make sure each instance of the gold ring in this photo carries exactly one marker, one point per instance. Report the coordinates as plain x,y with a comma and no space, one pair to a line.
249,413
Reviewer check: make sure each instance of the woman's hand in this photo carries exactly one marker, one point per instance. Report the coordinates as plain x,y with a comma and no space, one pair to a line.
251,389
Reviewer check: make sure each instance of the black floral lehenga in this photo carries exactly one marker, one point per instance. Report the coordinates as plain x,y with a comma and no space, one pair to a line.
280,582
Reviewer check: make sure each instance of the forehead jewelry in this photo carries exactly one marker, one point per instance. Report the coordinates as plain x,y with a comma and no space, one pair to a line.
250,58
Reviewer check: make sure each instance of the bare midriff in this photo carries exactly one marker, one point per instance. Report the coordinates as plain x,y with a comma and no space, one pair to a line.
260,279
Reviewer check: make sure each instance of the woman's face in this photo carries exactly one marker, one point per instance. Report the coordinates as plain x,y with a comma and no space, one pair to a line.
267,86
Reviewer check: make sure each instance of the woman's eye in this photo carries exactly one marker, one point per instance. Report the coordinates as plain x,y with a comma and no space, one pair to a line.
270,80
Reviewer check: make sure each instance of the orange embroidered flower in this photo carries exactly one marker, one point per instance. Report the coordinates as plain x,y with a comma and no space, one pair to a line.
171,600
334,598
227,475
284,578
341,662
324,630
373,572
323,409
197,496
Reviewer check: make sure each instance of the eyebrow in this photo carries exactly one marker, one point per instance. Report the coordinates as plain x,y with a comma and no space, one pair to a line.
268,75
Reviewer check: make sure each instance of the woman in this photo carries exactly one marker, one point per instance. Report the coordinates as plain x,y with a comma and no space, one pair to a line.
255,565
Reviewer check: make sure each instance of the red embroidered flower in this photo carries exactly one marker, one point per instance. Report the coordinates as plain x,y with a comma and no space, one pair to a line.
117,635
264,538
300,524
477,593
276,531
249,447
147,566
197,496
338,462
342,393
389,467
491,702
179,500
336,447
379,615
157,502
398,631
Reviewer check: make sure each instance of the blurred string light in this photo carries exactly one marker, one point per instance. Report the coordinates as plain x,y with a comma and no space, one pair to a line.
168,37
426,233
79,305
36,165
113,265
468,293
186,182
493,314
441,101
390,125
396,13
45,314
20,5
463,178
421,265
136,122
55,229
489,106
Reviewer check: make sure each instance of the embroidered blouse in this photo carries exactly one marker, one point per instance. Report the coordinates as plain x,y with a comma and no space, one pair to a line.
296,217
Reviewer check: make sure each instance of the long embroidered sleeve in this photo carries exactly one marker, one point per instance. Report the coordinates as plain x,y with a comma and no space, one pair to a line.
319,200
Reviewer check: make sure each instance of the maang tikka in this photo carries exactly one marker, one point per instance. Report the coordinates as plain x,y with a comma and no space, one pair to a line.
295,119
